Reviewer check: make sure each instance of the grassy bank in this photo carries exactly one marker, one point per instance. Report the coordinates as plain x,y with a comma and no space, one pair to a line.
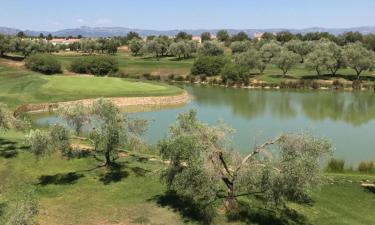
20,86
76,191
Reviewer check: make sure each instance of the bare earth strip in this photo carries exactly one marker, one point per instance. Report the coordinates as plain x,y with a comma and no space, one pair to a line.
118,101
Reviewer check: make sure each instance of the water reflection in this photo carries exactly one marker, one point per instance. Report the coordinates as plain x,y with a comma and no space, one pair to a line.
355,108
345,118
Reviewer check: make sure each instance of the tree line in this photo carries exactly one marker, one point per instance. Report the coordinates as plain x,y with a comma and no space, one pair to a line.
27,46
323,57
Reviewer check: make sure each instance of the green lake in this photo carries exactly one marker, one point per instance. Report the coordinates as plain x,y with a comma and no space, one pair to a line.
347,119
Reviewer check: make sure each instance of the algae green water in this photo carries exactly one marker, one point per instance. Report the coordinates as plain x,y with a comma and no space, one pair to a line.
347,119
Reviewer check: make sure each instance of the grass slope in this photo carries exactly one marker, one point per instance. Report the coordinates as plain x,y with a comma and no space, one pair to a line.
77,192
18,86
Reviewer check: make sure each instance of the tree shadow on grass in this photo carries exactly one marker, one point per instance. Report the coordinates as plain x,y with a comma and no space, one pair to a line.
188,209
251,215
60,179
137,158
13,57
284,77
8,149
114,174
2,209
139,171
370,190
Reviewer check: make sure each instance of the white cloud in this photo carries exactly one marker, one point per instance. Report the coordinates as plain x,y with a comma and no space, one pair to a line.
103,21
80,20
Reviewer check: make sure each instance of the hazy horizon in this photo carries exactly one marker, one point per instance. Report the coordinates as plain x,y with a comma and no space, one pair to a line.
192,15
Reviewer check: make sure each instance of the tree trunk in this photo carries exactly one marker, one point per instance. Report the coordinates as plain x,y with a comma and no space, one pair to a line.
108,161
230,201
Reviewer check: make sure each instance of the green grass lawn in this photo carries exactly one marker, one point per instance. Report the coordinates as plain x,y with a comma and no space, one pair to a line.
77,192
19,86
135,66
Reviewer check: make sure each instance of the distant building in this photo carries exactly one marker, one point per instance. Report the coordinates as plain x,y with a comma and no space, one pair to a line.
197,38
64,41
258,35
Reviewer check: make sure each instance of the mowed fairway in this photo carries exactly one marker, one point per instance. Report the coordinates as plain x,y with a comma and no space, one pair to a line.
19,86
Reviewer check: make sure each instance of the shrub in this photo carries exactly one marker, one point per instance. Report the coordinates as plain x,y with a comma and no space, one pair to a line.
43,63
208,65
97,65
366,166
234,74
336,165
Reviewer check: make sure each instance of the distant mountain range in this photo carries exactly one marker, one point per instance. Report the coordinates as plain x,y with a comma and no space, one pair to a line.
122,31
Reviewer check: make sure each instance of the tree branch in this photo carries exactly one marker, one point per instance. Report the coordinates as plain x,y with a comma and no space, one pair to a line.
257,151
224,164
83,139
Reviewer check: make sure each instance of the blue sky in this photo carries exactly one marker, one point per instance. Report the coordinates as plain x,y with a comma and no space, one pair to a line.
53,15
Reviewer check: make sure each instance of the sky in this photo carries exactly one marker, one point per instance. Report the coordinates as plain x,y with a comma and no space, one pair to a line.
52,15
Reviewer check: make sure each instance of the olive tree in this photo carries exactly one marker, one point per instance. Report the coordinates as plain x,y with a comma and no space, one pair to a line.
299,47
285,60
240,46
7,44
223,35
9,121
249,59
135,45
111,130
180,49
211,48
318,60
206,36
270,50
202,169
152,47
337,60
359,58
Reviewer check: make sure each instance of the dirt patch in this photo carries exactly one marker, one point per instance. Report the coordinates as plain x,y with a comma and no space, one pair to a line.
118,101
12,63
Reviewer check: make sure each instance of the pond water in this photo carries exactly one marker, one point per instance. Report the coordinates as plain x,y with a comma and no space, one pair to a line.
347,119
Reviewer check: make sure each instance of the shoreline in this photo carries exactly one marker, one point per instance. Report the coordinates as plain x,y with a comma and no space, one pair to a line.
120,102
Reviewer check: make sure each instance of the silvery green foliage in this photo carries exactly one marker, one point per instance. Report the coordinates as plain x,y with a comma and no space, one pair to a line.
240,46
60,139
252,59
110,132
181,49
76,116
285,60
5,117
270,50
301,48
211,48
25,210
135,45
359,58
9,121
201,167
327,55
